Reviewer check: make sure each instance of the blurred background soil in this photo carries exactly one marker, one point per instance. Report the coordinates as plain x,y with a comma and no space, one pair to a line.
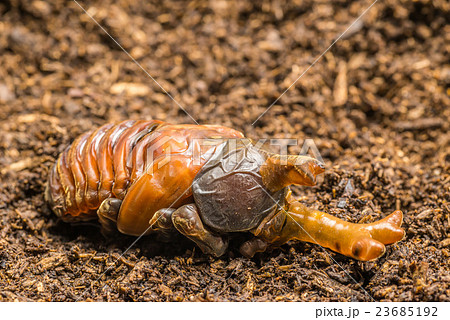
377,106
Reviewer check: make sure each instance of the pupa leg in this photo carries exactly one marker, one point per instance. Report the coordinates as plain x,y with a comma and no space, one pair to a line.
162,220
271,228
360,241
252,246
107,215
161,224
187,221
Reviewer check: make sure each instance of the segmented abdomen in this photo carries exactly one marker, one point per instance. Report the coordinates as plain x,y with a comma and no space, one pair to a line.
97,165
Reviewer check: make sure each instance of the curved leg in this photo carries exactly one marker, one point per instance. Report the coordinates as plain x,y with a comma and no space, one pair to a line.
269,231
251,247
187,221
107,216
161,223
162,220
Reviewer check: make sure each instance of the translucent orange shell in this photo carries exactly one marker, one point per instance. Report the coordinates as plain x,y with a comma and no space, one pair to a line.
149,165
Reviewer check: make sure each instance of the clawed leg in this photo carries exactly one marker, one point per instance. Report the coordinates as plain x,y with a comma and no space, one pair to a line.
187,221
360,241
107,216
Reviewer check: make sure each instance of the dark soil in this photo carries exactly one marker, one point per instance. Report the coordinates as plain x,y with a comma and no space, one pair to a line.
377,106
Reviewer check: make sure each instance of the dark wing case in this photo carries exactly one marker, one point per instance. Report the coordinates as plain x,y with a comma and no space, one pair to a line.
229,191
